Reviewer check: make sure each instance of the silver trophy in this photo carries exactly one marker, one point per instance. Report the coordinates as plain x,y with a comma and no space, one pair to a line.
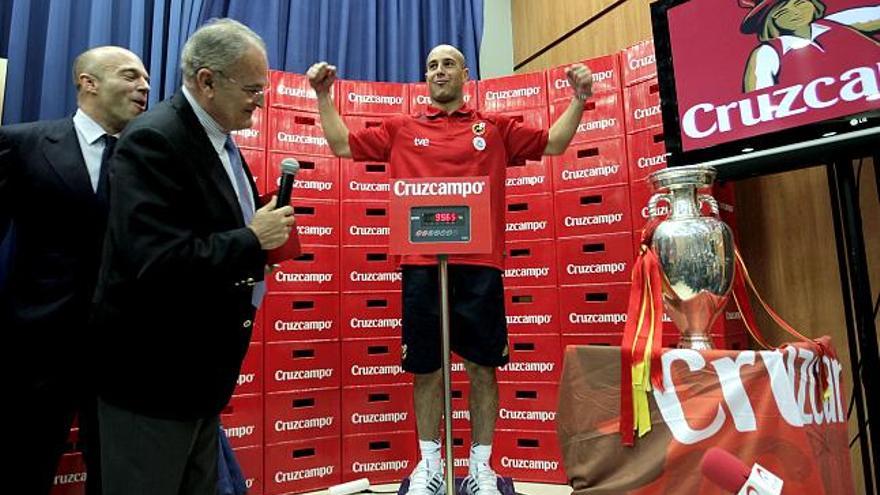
695,252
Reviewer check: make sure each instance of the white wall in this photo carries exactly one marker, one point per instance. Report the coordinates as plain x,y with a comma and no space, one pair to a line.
496,48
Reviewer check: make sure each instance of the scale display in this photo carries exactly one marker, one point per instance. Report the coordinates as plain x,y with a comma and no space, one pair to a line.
439,224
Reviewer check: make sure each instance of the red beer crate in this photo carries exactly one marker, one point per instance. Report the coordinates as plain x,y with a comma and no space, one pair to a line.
317,222
365,181
301,415
529,177
293,91
297,132
294,366
303,466
381,457
372,98
599,210
594,308
595,259
638,62
365,223
529,217
532,310
593,164
603,118
642,103
503,94
533,358
315,270
529,264
369,268
303,316
318,176
378,408
606,78
242,420
527,406
371,315
529,456
372,362
647,153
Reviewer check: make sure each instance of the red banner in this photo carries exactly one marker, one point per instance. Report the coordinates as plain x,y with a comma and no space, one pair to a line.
762,406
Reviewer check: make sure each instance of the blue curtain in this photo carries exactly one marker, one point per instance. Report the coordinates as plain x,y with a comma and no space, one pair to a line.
367,40
42,37
373,40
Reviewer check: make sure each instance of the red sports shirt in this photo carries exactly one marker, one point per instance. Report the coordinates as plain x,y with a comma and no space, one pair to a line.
437,144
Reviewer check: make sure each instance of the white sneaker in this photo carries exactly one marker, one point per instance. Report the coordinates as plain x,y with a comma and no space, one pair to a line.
423,481
484,482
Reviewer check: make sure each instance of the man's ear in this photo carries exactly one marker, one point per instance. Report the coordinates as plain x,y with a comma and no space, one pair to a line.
467,74
88,82
205,80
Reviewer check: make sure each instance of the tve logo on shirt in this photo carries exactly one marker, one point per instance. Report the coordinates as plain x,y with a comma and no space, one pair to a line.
425,142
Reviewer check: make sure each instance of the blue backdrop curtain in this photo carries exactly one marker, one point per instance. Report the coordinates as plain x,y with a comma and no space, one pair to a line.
369,40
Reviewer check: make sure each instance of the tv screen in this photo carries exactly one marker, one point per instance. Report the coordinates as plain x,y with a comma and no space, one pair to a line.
758,83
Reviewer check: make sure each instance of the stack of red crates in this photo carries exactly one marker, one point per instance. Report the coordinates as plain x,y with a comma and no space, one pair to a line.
322,398
378,424
301,309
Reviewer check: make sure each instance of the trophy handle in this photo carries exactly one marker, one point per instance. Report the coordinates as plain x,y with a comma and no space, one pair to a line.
652,203
709,200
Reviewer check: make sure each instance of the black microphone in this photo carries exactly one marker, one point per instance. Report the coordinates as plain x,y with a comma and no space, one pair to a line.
289,168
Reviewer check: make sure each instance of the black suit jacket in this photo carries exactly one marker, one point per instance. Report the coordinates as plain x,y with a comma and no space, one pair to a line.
45,191
173,305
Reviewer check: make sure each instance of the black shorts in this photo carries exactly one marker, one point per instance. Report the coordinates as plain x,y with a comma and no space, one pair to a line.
477,326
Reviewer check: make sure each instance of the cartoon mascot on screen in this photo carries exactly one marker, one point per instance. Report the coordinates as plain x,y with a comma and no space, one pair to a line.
797,38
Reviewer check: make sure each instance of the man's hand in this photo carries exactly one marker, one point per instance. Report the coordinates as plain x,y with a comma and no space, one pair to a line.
272,226
321,77
581,80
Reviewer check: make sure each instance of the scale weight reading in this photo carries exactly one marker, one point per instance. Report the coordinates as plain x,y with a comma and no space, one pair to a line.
440,224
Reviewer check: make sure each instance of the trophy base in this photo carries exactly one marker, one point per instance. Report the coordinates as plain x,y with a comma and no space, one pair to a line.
695,342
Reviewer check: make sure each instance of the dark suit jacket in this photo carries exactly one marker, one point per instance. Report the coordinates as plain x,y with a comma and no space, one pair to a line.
59,227
173,305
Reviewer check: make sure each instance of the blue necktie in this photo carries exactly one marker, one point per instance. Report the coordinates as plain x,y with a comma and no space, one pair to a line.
246,201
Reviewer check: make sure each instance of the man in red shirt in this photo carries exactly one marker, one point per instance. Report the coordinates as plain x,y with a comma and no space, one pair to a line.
450,139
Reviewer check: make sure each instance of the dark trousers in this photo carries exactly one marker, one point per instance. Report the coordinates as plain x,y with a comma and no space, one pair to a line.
143,455
40,428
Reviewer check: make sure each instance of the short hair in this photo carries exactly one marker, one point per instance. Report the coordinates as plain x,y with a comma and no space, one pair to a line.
769,30
217,45
89,61
455,51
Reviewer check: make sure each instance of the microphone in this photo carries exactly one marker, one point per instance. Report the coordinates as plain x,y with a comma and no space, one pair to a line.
289,168
730,474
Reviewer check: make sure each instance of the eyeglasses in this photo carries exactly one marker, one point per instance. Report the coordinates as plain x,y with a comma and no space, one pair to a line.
256,93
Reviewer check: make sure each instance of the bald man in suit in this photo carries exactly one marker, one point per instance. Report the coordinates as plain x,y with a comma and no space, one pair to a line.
53,190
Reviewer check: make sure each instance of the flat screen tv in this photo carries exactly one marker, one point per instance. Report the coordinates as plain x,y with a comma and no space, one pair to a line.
759,86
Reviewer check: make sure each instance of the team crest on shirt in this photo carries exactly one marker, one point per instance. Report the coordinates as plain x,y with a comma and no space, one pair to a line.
479,143
479,128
